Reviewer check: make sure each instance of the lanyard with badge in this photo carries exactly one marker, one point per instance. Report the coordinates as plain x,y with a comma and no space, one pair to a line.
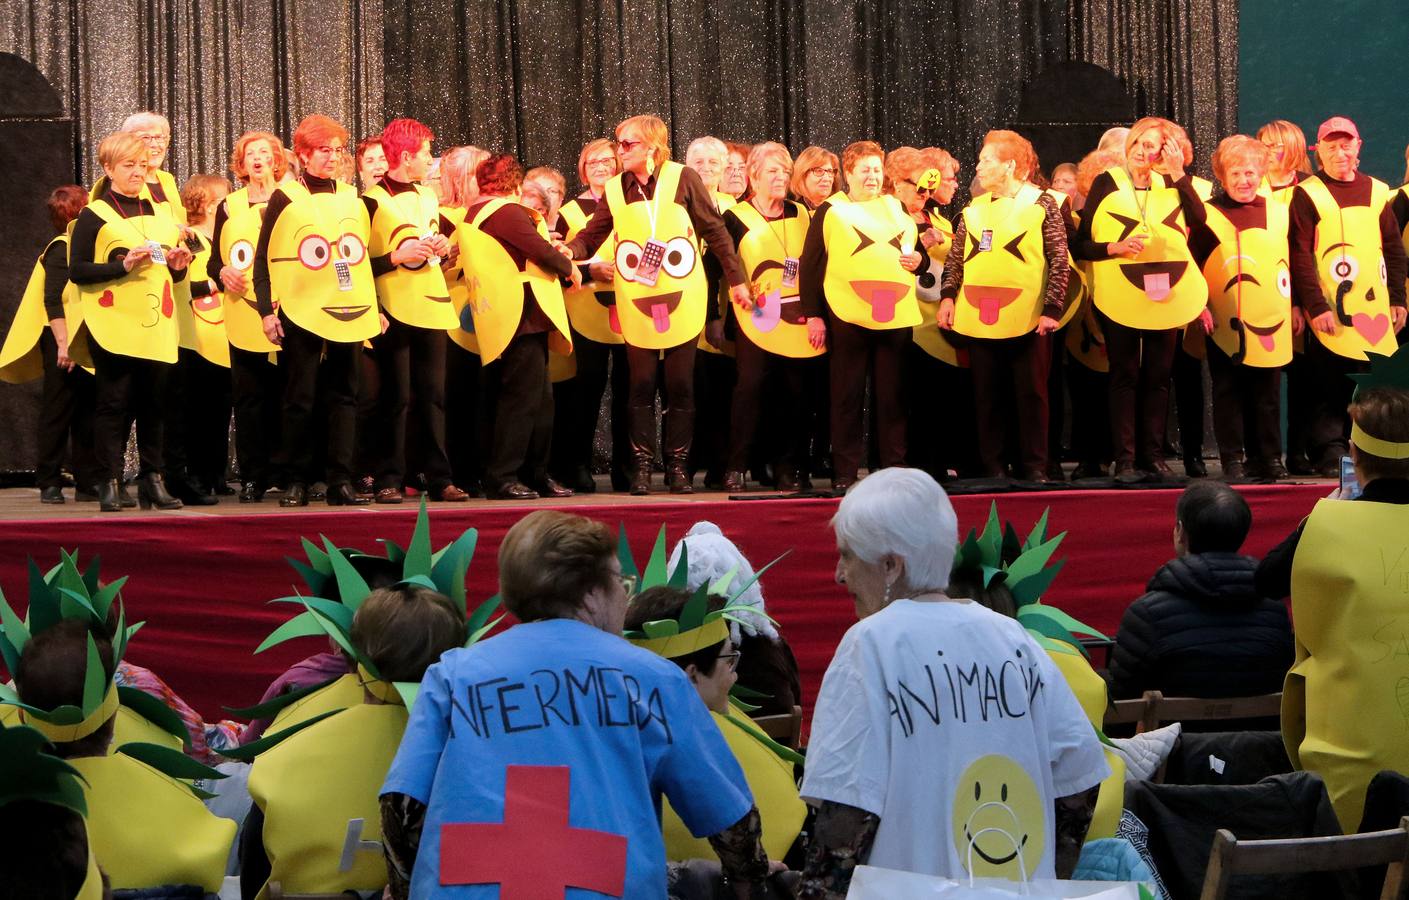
341,268
1024,198
790,262
1154,247
653,253
158,254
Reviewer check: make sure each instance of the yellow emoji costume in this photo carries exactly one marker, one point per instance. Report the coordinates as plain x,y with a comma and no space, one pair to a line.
776,323
1004,267
134,315
416,293
171,194
1161,288
200,321
463,334
20,360
592,307
672,312
927,334
864,282
495,284
1350,267
318,264
238,238
1250,289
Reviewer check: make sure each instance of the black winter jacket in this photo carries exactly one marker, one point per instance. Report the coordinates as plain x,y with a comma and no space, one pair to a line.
1202,630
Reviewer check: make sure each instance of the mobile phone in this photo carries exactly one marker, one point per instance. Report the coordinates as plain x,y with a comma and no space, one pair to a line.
193,243
1350,485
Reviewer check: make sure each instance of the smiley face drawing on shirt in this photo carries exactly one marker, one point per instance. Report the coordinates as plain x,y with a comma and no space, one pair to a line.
998,814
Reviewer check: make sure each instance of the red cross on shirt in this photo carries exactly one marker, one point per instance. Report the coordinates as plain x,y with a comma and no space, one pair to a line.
534,854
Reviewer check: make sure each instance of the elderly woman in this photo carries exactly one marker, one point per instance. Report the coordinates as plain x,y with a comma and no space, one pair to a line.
125,256
547,183
462,364
1242,249
596,343
660,285
371,161
155,132
255,382
709,156
859,262
816,175
914,764
642,734
1289,163
1144,284
735,182
1005,293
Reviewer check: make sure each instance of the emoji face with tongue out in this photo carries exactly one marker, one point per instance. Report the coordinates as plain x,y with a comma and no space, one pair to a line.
134,315
864,282
1360,300
1250,289
1004,267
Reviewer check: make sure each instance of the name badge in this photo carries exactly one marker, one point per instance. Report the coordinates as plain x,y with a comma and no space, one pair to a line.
434,260
648,269
790,267
344,273
158,254
985,240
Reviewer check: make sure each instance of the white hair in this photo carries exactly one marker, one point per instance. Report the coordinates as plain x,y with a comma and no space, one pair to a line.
708,144
138,121
712,556
906,513
1113,139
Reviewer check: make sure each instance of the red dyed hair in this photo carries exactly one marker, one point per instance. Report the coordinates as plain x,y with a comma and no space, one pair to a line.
1013,147
316,131
403,136
499,175
65,203
276,147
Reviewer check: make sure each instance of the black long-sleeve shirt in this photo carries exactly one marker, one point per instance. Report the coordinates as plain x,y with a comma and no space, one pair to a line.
691,194
277,204
1104,185
1054,250
55,265
1253,214
83,268
1306,286
812,264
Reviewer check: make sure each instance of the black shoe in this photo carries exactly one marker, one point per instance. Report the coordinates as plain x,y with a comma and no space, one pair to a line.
85,495
713,481
295,495
641,482
51,494
841,483
151,491
678,479
513,491
1328,468
319,491
250,492
390,495
734,482
582,481
1195,468
1262,470
367,486
123,497
1234,471
343,495
1087,470
786,480
1034,476
1126,473
549,487
109,500
1300,465
222,488
191,493
1159,470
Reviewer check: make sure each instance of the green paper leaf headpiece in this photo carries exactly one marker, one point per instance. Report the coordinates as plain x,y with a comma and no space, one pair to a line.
1385,371
29,772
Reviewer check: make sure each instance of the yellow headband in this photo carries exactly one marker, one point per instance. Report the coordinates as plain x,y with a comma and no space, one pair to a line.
1381,448
676,645
384,691
64,734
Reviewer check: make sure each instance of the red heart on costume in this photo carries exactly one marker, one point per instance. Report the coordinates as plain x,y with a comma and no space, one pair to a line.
168,306
106,299
1371,328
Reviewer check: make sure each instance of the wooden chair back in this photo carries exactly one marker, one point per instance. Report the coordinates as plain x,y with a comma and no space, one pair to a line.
1154,709
785,728
1232,857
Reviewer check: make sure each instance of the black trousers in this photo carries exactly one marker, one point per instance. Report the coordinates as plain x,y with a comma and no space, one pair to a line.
577,405
198,420
464,425
411,362
1328,395
368,445
256,389
1056,400
313,366
1247,414
1300,391
715,377
516,389
819,425
1090,415
65,422
129,389
1011,375
777,383
940,427
857,352
1141,361
1188,378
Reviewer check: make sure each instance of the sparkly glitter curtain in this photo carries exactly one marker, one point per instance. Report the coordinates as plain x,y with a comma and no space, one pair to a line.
214,67
1179,57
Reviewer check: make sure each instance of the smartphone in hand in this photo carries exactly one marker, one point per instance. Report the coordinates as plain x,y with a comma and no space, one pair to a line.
1350,485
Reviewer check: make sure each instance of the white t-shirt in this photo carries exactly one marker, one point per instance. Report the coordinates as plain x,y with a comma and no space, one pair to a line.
951,724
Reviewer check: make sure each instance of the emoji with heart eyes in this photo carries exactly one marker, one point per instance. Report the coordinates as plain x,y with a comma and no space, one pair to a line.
319,268
769,250
864,282
1250,289
1162,287
134,315
1350,266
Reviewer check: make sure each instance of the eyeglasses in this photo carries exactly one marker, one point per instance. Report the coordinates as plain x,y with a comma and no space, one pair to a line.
627,146
733,659
331,151
154,137
628,583
607,162
822,170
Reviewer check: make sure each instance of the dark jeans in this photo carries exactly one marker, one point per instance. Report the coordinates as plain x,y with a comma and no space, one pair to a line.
129,389
65,421
1141,361
304,377
1246,409
856,353
515,387
1011,374
198,424
257,389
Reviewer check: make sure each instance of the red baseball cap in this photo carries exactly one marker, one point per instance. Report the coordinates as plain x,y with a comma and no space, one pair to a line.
1337,125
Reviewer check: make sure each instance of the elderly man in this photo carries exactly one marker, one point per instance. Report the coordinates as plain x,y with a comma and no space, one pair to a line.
945,741
1348,270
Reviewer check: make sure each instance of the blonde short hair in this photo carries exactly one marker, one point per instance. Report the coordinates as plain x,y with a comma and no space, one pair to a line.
1240,148
1293,144
708,144
549,173
119,147
653,132
768,150
589,149
811,158
457,175
1148,123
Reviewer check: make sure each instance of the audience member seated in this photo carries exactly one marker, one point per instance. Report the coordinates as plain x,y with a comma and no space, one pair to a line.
766,665
912,761
1345,700
1201,629
518,773
710,658
311,788
146,829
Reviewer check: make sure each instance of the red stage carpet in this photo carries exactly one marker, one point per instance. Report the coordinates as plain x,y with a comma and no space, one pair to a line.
202,582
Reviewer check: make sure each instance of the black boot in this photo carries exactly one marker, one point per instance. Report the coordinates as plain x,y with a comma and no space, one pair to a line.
679,430
151,491
643,447
108,498
126,499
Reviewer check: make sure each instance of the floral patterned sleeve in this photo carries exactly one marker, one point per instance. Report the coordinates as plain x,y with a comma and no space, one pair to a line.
740,850
842,841
402,820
